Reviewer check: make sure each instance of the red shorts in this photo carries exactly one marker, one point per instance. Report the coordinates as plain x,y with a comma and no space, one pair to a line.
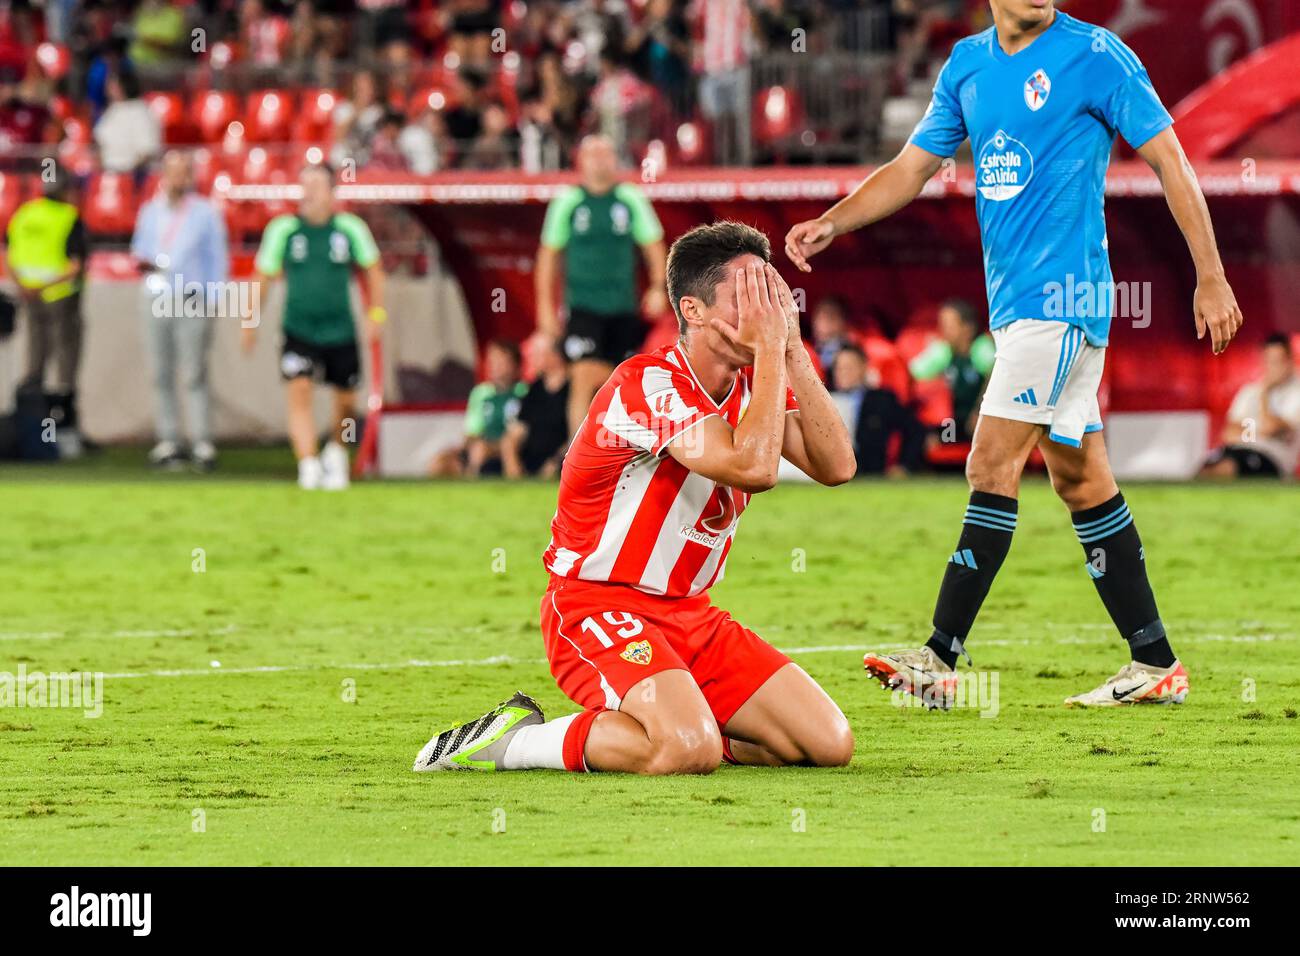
603,639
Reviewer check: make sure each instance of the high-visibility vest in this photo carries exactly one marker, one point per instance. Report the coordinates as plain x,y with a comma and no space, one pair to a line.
38,246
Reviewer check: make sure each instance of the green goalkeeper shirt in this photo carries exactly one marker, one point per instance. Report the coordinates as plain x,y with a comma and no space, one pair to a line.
490,410
317,262
599,236
965,373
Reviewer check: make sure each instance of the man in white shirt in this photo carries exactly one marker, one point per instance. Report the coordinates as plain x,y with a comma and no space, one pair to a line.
128,134
1262,434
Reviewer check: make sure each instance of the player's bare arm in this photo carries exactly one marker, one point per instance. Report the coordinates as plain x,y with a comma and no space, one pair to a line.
511,444
548,320
1270,425
1215,306
883,193
816,440
248,331
747,457
655,300
376,314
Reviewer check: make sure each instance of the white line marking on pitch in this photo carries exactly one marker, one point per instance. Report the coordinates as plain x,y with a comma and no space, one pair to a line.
507,659
170,632
292,668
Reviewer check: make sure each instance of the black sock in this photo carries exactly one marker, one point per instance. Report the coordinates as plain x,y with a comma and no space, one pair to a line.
1117,565
981,549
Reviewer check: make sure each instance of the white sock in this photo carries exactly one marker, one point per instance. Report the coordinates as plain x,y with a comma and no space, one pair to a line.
538,747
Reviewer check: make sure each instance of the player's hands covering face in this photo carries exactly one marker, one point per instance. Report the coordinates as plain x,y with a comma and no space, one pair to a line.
762,324
794,337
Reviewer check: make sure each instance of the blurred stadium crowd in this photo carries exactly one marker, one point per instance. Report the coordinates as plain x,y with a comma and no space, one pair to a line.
467,84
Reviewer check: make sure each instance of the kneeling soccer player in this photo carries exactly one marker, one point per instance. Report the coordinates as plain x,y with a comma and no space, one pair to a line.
672,448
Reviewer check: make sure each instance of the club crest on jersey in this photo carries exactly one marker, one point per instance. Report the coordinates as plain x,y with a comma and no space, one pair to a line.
1037,88
637,652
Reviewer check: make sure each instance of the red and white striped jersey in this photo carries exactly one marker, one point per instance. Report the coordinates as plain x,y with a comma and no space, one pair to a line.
724,29
628,512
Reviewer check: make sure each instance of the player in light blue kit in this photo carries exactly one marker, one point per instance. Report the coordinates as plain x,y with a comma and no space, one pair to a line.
1041,96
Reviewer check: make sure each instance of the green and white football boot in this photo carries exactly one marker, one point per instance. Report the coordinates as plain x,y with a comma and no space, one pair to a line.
480,744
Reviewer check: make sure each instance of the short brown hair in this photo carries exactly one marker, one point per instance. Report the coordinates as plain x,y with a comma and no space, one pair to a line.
697,260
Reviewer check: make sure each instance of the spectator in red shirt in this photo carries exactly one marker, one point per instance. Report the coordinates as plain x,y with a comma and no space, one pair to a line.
24,120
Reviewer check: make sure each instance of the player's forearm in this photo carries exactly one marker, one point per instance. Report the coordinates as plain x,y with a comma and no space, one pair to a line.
826,440
883,193
1270,425
544,288
1190,212
757,440
656,264
375,286
511,464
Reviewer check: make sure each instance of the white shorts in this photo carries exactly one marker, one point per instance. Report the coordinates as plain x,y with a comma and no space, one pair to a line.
1046,373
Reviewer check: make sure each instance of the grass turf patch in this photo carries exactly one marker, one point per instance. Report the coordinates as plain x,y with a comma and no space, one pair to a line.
275,659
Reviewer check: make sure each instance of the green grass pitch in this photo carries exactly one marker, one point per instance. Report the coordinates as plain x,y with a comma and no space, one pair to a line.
267,693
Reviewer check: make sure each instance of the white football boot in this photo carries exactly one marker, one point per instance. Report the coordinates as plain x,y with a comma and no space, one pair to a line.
334,462
1137,684
310,473
919,672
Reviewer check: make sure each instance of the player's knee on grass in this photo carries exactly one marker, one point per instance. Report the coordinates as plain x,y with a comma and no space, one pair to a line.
691,743
833,747
830,744
694,750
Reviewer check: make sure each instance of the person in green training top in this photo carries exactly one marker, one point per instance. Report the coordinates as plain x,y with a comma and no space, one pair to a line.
493,404
598,226
964,357
316,251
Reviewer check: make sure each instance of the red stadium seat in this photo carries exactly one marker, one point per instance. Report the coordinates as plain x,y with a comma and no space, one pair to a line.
80,159
215,110
62,107
77,130
257,166
109,207
222,55
170,109
11,196
53,59
778,113
933,401
268,116
300,155
436,98
314,120
692,144
883,357
913,340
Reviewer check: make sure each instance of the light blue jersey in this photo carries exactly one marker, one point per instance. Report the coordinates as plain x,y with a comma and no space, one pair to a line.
1041,125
